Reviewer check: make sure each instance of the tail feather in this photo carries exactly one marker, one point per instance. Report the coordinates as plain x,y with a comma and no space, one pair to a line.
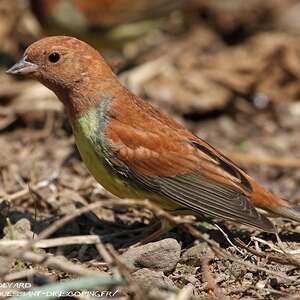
292,213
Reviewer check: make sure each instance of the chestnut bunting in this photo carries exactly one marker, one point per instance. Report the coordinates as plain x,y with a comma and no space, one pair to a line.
135,151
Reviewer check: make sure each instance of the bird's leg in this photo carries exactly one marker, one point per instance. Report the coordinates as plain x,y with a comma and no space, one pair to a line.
137,236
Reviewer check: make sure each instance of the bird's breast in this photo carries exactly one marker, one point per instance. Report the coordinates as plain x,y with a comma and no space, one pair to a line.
93,147
90,141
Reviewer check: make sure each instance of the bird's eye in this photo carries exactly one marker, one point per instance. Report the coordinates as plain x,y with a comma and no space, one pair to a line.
54,57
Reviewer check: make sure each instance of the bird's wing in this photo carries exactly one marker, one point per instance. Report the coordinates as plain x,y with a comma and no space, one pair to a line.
185,170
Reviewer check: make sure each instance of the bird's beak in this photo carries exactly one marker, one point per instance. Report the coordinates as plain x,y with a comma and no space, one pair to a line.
23,67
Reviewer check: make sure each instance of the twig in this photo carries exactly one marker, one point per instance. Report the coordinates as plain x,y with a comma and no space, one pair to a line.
278,259
50,261
67,218
287,259
276,292
55,242
104,253
254,238
288,255
223,254
229,241
126,273
26,190
108,259
119,270
59,223
19,275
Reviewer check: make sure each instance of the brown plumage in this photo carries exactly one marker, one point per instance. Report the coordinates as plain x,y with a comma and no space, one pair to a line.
135,150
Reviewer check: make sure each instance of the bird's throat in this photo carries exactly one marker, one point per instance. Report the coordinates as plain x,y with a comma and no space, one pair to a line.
92,118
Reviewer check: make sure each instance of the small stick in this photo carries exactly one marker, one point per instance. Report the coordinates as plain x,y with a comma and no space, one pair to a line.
123,269
108,259
266,243
55,242
19,275
50,261
67,218
26,190
278,259
228,240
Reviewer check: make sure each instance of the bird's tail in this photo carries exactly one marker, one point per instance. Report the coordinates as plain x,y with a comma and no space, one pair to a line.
292,212
270,203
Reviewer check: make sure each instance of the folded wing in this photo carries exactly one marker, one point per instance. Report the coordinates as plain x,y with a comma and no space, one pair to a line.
184,169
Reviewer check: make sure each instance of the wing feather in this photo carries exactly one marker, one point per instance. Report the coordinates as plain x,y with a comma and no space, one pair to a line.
189,172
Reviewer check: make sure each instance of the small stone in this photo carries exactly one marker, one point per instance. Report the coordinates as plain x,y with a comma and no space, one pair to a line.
260,284
236,269
162,255
149,279
248,276
192,279
193,255
185,269
18,231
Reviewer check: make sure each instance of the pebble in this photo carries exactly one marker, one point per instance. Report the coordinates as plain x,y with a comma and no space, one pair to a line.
162,255
193,255
149,279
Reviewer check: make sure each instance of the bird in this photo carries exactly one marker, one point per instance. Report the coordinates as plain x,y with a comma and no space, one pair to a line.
136,151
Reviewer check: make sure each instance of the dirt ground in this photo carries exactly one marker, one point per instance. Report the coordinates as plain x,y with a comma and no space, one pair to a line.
228,70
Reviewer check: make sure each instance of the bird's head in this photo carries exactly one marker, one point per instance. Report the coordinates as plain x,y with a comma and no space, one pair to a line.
72,69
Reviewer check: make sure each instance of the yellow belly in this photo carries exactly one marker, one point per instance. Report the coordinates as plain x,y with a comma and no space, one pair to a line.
95,164
111,182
